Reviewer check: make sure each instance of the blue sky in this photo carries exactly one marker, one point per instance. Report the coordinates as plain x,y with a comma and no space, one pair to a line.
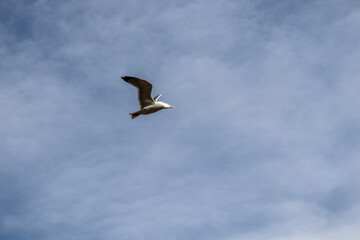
263,142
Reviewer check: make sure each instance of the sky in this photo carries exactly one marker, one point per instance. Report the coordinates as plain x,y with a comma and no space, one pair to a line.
263,143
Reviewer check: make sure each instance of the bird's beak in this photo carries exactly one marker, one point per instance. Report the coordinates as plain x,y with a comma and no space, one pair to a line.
172,107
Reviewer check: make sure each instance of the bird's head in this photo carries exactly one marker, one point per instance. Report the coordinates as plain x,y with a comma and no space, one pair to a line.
169,106
166,105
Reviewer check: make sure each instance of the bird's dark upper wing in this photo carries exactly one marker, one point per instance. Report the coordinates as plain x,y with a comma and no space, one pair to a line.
144,90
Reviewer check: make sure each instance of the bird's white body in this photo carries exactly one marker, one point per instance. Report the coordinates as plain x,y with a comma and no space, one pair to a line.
147,103
157,106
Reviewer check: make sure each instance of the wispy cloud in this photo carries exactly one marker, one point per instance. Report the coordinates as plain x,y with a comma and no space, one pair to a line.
263,143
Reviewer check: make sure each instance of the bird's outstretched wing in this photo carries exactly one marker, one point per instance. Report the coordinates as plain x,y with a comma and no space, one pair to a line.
144,90
157,97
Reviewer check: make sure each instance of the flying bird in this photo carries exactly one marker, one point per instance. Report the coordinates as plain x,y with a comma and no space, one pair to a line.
147,103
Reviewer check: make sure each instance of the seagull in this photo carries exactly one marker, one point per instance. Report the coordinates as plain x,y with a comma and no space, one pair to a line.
147,103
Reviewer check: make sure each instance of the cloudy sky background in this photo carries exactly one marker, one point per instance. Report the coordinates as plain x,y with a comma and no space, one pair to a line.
263,142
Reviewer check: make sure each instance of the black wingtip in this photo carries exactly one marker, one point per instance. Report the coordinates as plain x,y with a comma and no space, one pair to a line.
125,78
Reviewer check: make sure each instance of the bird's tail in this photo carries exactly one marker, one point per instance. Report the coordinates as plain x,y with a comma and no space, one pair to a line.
134,115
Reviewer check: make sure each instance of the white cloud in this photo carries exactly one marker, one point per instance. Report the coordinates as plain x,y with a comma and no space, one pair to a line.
262,143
